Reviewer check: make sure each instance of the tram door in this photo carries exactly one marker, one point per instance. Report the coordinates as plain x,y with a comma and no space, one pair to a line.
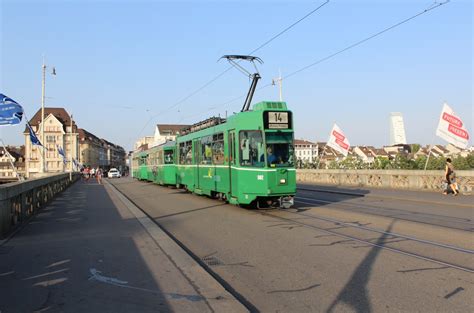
197,148
232,164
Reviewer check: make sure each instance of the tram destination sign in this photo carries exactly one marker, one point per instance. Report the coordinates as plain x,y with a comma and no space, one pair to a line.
277,120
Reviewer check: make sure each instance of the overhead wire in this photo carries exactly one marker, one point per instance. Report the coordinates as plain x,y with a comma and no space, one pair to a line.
229,68
432,7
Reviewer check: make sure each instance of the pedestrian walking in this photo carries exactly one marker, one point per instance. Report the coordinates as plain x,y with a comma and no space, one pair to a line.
450,177
98,175
87,173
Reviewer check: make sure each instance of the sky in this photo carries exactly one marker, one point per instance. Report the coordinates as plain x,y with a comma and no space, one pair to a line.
125,66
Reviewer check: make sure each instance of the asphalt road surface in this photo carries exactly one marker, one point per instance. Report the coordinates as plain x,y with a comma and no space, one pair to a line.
338,250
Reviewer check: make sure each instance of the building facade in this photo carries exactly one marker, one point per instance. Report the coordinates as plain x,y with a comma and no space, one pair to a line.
166,132
15,156
306,151
97,152
59,130
147,140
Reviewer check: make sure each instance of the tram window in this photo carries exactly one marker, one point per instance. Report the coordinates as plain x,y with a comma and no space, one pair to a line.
251,148
279,149
206,150
160,157
169,157
182,153
218,152
189,152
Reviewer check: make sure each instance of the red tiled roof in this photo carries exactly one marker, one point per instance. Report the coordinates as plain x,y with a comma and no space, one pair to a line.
303,142
85,135
60,113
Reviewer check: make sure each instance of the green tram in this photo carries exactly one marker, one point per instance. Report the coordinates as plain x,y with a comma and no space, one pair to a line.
247,159
156,164
139,165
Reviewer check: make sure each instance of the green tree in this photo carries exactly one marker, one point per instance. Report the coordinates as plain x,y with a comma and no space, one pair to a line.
460,163
381,163
415,147
470,160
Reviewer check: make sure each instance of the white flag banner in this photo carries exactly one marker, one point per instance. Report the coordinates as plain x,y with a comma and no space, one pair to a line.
338,141
451,128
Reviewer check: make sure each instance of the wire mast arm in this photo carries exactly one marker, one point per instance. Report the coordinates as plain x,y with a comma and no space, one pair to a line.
255,77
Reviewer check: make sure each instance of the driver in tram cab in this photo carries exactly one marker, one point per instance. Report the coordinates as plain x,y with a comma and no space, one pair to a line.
271,158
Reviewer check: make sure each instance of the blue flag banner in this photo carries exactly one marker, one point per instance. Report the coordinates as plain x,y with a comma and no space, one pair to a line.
76,164
11,112
61,153
33,138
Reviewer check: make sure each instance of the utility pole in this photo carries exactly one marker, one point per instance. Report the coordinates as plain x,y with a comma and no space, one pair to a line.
278,81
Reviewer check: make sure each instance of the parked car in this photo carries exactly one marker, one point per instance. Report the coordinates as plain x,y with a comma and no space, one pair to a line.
114,173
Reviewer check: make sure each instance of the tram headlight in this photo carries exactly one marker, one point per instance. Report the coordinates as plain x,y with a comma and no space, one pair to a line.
282,181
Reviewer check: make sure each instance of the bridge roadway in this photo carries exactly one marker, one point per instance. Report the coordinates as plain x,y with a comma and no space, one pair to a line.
338,250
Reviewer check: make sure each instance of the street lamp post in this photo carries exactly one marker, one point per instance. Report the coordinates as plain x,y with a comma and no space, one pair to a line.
43,96
70,146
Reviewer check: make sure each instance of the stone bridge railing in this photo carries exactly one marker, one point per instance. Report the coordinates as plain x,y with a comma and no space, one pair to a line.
21,200
393,179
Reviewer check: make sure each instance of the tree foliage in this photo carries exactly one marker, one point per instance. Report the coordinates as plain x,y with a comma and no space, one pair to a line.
399,162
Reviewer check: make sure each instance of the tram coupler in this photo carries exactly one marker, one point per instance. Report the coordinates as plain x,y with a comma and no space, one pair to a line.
287,202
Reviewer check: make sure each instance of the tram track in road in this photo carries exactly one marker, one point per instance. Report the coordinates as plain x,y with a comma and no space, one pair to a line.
463,224
407,239
238,296
375,230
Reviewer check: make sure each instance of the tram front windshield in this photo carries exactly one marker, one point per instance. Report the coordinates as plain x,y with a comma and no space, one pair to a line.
279,149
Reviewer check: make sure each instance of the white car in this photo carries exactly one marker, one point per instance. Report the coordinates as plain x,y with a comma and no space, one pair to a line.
114,173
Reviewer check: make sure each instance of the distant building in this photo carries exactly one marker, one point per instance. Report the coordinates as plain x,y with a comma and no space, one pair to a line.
400,149
163,133
57,132
92,152
328,154
166,132
397,129
305,151
115,156
98,152
15,156
455,151
365,154
147,140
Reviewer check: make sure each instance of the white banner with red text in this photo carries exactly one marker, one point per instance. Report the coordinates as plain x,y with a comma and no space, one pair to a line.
338,141
451,128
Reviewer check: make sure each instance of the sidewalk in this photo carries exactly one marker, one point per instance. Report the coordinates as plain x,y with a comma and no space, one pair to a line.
91,250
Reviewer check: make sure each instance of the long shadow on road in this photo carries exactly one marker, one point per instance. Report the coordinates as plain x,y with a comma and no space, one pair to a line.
355,293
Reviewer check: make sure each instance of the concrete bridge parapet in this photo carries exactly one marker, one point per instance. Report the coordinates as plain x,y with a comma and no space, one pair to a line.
21,200
392,179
